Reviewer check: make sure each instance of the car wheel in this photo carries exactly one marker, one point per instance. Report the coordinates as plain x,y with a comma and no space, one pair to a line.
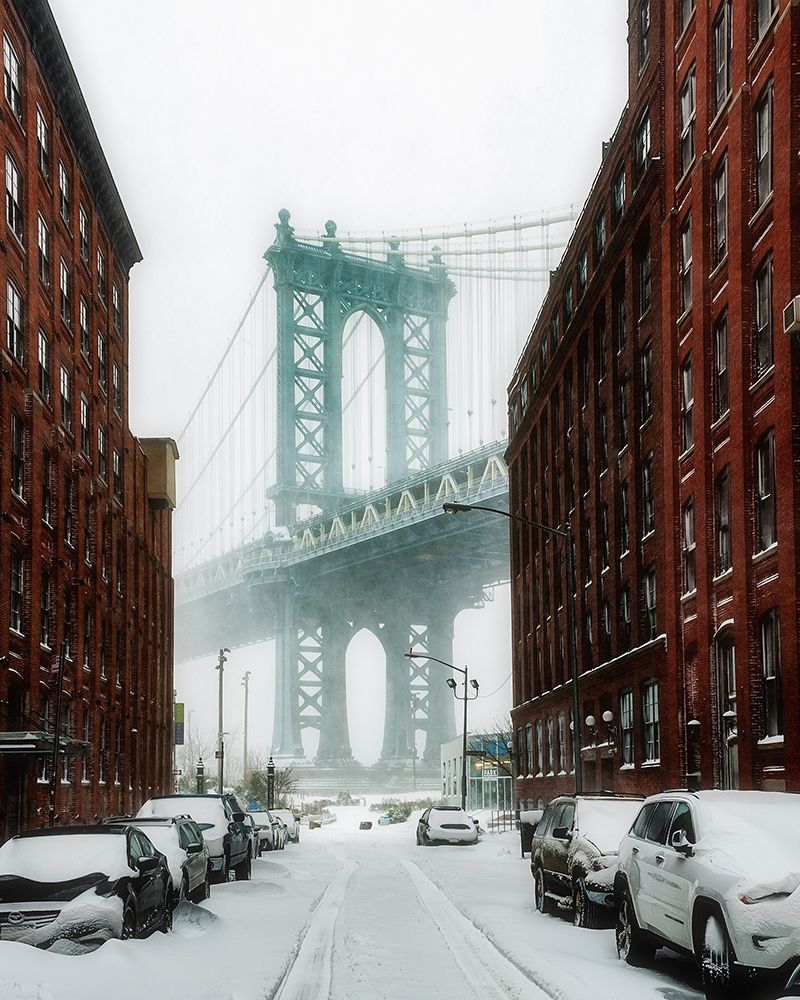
244,869
165,926
543,903
717,961
632,946
128,922
585,913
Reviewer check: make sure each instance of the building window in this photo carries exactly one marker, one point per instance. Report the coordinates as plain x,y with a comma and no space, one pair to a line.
582,272
43,241
722,54
645,273
101,752
16,342
764,147
567,304
644,32
64,287
605,541
721,366
688,108
685,12
44,367
720,217
47,489
65,204
550,745
689,582
650,601
648,497
83,230
622,411
102,465
618,196
117,473
539,747
599,235
625,615
652,740
118,754
17,454
766,530
102,371
83,325
85,736
16,592
762,354
11,78
42,144
562,743
554,332
65,388
624,531
641,146
725,659
86,436
646,364
87,638
116,388
626,727
771,672
618,313
101,274
603,429
116,307
44,612
685,274
764,11
687,405
529,749
722,501
68,511
13,198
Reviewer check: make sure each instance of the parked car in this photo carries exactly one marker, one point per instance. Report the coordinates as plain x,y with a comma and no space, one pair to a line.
272,832
574,855
713,874
224,830
72,888
181,842
445,825
291,822
792,988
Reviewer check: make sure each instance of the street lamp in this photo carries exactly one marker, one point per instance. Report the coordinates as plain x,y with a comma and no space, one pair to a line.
411,655
246,686
461,508
221,661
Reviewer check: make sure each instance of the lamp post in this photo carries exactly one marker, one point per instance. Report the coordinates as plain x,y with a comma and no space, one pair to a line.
246,686
460,508
452,685
220,734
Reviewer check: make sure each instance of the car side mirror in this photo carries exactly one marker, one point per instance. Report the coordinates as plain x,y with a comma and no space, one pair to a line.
237,817
145,864
681,843
194,848
562,833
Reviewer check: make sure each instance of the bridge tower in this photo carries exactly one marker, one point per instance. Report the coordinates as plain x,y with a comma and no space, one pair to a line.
319,287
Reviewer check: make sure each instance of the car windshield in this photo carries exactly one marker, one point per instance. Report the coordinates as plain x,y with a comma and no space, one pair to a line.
53,859
605,822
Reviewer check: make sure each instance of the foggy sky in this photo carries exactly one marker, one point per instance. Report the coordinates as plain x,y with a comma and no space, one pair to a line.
380,116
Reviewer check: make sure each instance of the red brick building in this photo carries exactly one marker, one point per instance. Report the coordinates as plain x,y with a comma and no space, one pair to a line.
656,411
85,524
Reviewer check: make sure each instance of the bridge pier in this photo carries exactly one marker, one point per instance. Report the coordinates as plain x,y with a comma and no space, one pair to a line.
286,738
334,737
441,722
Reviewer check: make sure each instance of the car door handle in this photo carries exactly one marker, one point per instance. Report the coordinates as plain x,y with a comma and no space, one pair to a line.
660,859
634,850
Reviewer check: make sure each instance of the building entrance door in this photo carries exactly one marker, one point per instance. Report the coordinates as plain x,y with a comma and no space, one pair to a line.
728,743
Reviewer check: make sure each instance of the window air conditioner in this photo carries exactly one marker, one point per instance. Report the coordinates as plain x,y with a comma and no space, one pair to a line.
791,316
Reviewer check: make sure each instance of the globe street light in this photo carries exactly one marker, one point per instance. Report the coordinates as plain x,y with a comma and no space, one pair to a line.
467,698
461,508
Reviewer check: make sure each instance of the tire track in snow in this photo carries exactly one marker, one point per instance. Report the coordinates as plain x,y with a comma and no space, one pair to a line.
309,975
492,974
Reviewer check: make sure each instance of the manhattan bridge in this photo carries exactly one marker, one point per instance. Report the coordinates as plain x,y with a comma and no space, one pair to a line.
364,386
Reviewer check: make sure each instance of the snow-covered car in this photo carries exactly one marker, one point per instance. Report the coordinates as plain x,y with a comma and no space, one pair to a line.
225,833
446,825
792,988
180,841
714,874
71,889
271,831
291,823
574,855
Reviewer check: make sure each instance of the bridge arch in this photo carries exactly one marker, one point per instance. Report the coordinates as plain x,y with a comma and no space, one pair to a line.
364,400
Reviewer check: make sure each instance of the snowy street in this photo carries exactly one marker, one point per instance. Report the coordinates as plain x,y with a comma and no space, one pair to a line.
352,913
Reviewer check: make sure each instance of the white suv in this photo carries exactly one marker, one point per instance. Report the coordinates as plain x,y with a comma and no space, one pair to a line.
717,875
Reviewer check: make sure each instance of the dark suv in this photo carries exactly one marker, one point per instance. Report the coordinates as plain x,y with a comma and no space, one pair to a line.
225,831
574,855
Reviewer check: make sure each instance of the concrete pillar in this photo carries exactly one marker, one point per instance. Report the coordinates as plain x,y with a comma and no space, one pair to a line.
334,736
441,719
286,738
397,721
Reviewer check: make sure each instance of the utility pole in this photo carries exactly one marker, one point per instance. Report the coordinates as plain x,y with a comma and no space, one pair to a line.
246,686
221,733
